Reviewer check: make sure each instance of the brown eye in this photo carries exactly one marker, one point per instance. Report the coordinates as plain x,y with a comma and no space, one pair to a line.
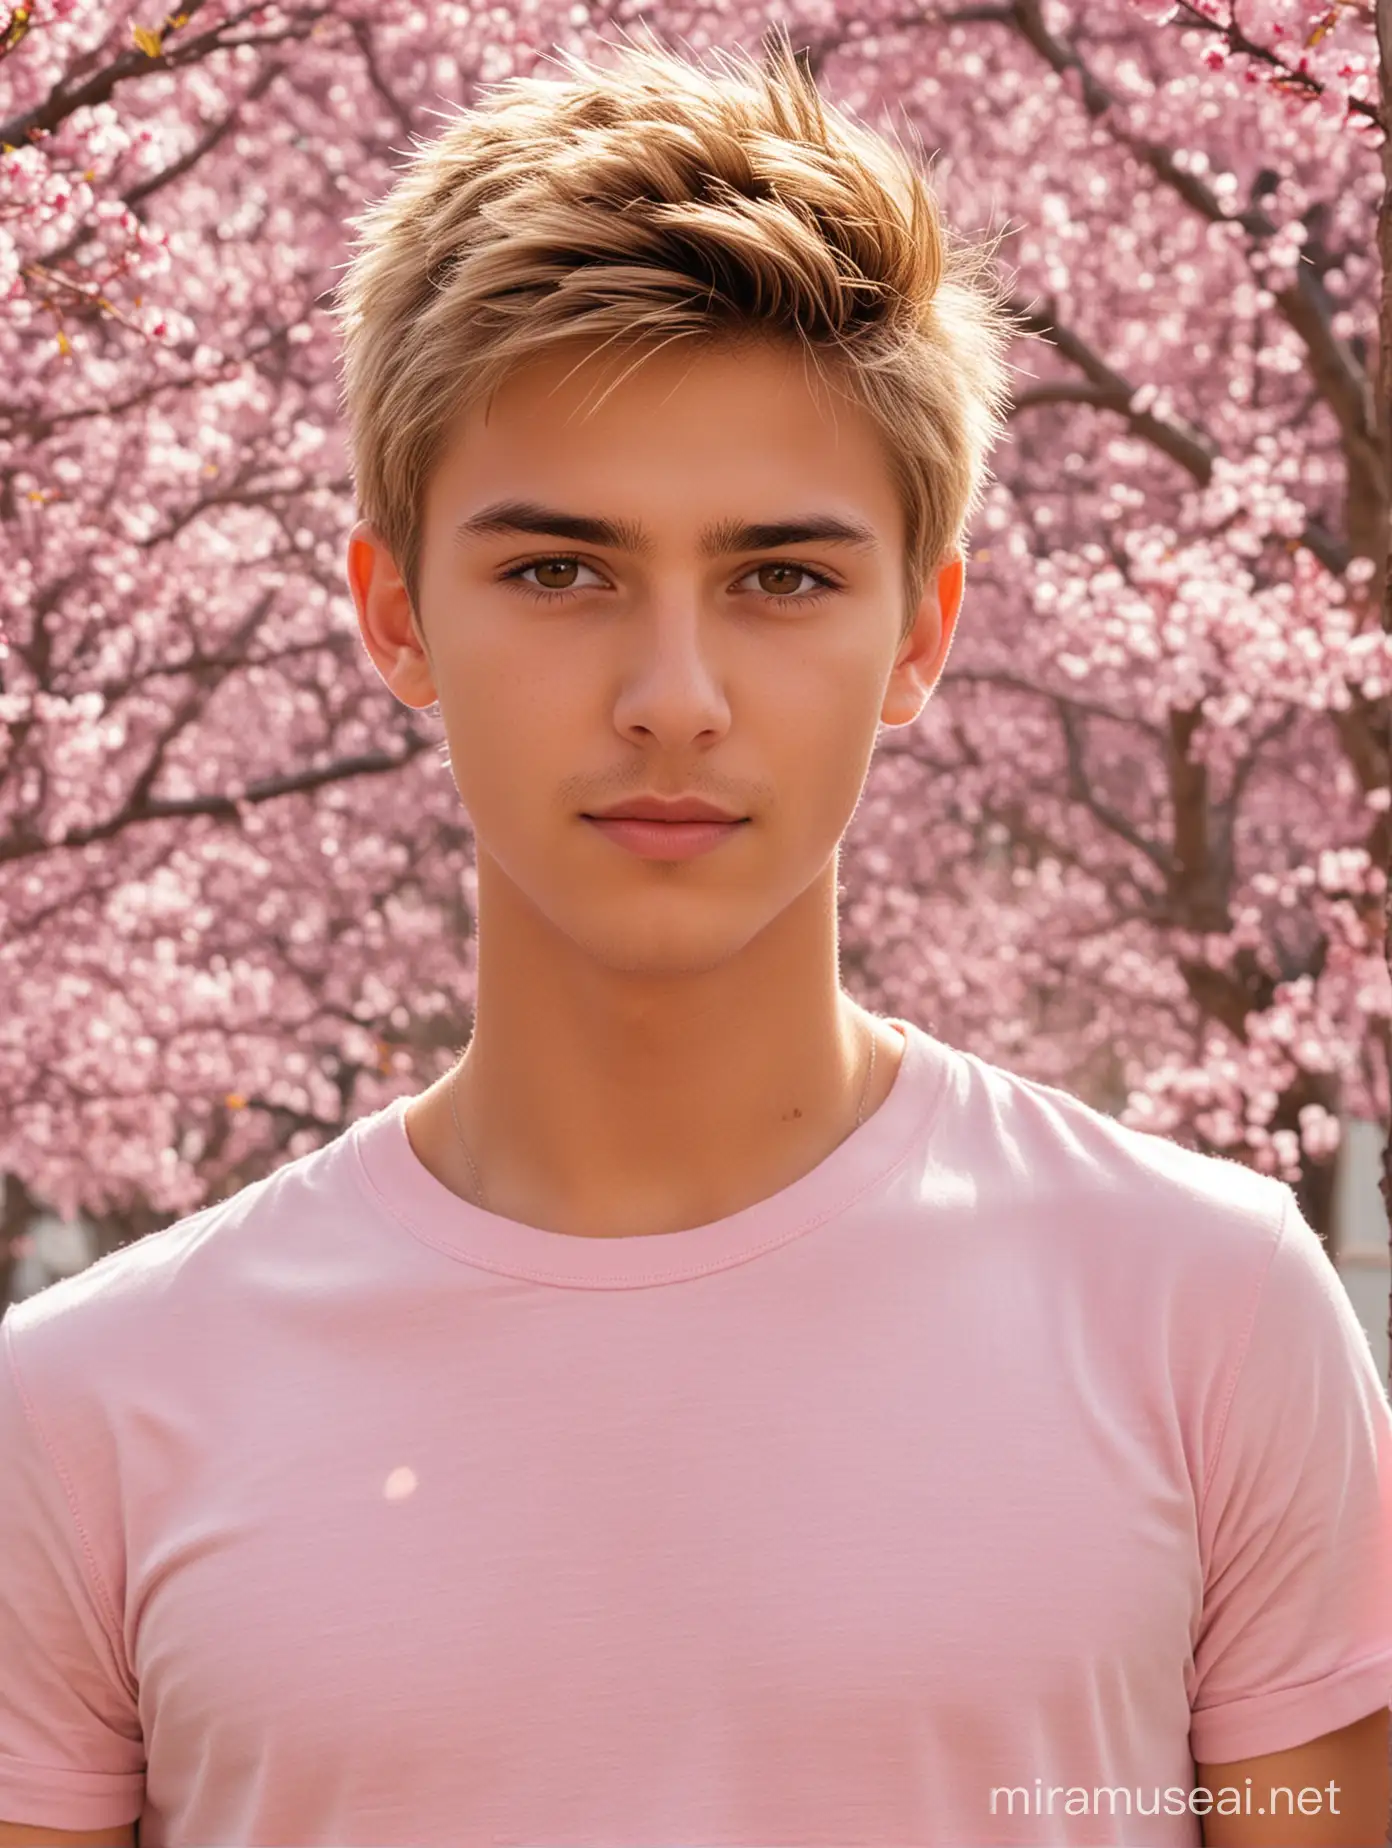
777,579
546,589
555,564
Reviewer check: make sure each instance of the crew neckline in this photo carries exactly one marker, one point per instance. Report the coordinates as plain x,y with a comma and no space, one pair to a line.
398,1183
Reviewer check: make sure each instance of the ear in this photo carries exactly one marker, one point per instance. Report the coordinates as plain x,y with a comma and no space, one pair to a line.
923,652
386,620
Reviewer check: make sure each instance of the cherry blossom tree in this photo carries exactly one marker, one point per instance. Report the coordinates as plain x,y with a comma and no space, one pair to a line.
1137,844
1384,398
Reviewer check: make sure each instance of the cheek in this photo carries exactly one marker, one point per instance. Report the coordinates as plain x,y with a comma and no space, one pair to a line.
517,737
819,758
491,737
827,716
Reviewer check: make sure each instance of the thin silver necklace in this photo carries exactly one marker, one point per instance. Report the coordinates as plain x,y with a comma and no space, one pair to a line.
473,1169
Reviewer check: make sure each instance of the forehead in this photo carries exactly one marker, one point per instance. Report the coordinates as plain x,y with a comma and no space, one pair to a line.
685,422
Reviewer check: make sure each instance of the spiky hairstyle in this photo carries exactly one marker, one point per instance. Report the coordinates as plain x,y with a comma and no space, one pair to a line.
651,200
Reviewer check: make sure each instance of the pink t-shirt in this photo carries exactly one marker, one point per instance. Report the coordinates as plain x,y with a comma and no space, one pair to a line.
1008,1450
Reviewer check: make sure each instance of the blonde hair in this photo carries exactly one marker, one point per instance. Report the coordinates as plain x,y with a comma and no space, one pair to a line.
654,201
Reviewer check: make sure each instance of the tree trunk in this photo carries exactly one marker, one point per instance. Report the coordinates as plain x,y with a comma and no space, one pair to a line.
17,1214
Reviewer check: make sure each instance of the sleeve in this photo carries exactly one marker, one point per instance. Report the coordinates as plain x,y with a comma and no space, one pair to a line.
1295,1522
71,1755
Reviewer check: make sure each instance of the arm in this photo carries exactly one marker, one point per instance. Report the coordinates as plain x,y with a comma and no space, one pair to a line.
1295,1638
29,1835
70,1741
1353,1815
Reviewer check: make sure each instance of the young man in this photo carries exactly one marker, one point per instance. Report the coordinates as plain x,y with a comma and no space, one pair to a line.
710,1413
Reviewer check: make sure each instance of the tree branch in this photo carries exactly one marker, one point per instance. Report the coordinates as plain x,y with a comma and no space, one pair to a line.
369,763
66,96
1304,304
1017,683
1081,790
1182,441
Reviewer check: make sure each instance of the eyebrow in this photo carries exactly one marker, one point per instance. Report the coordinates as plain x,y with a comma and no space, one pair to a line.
715,541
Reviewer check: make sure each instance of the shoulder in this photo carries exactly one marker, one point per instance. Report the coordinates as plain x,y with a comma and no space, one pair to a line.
1112,1192
1181,1274
170,1290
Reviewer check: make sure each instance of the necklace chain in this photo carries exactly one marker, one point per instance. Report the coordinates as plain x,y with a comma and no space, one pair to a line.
473,1169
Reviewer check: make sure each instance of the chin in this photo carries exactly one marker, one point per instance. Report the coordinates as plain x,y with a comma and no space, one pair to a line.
663,946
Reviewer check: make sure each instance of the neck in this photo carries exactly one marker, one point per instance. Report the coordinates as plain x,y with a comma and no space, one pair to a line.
607,1103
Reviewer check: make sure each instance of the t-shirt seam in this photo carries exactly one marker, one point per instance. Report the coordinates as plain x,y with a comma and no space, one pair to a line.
106,1603
710,1269
1244,1350
63,1775
919,1125
1380,1658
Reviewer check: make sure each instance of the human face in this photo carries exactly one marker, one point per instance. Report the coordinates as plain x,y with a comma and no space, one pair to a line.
665,657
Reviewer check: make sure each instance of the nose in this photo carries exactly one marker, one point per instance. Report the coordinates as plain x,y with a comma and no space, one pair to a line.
671,685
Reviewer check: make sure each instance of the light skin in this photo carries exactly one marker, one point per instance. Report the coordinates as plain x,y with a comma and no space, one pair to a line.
634,1016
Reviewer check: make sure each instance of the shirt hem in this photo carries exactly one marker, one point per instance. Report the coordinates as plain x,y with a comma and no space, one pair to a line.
48,1798
1275,1722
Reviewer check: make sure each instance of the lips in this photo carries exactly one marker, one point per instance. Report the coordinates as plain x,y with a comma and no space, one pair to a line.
664,840
655,808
